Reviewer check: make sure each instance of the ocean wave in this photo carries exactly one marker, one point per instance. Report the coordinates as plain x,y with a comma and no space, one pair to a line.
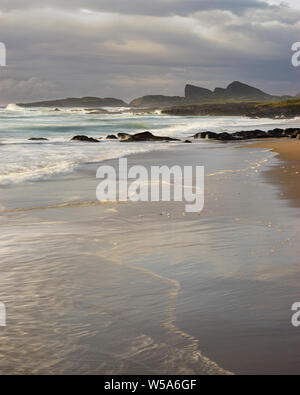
4,210
37,162
22,160
32,174
188,126
13,107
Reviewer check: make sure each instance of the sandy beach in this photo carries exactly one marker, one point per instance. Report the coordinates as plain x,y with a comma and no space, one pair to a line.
149,190
287,173
135,288
145,287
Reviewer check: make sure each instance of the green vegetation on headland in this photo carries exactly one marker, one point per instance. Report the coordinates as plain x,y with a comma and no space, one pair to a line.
281,109
282,103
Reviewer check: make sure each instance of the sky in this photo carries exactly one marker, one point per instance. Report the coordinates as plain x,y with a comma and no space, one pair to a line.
130,48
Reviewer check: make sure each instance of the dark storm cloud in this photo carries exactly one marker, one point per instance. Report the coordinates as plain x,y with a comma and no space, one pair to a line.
104,48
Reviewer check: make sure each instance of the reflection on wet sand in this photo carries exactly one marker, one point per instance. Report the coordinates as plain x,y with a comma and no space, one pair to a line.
87,311
145,288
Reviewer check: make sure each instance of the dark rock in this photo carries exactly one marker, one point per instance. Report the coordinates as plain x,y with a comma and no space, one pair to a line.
38,139
260,134
111,137
225,137
85,139
291,132
187,142
276,133
211,136
146,136
250,134
200,135
123,136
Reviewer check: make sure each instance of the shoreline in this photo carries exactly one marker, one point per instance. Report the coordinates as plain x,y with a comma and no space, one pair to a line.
287,174
193,268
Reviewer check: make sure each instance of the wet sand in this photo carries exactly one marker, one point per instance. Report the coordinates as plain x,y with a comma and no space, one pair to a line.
287,149
287,174
137,288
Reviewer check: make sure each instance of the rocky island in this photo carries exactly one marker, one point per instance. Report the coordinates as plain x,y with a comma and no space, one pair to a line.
78,102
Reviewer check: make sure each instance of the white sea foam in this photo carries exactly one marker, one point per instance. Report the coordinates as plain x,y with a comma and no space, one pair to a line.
23,160
32,162
13,107
190,125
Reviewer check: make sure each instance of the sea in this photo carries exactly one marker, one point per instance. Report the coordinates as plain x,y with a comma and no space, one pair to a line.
143,288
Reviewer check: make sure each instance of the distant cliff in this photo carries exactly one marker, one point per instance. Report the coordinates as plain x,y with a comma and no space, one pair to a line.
78,102
235,91
195,93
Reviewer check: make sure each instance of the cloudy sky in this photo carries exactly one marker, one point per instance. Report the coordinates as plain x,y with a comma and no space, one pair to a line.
128,48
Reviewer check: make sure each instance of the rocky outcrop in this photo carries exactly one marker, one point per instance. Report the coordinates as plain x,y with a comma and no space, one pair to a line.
145,136
250,135
195,93
111,137
123,136
239,91
234,91
85,139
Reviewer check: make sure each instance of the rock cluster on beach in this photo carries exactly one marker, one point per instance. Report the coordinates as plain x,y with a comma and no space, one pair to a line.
85,139
145,136
256,134
237,136
128,138
250,135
